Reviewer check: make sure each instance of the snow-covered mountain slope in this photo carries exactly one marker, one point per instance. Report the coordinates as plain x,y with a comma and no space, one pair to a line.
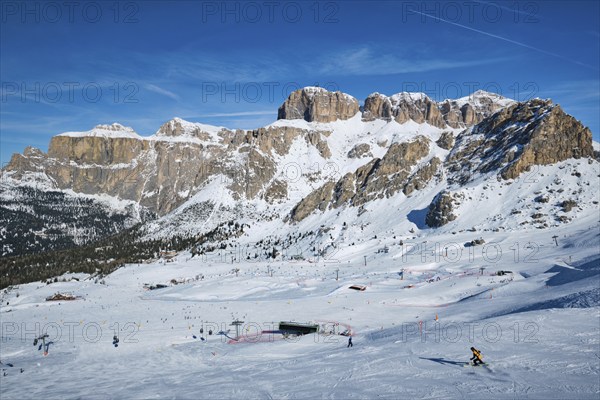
536,325
326,161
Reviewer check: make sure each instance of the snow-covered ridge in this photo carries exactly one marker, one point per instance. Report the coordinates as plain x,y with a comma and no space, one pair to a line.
177,129
480,97
313,90
408,96
115,130
186,128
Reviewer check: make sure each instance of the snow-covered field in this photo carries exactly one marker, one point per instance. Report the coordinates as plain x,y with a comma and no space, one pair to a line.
538,327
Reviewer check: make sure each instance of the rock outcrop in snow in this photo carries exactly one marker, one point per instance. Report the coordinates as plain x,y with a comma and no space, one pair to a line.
418,107
319,105
440,209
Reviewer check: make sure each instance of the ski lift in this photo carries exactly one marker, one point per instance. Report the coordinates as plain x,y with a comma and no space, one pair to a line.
42,338
42,345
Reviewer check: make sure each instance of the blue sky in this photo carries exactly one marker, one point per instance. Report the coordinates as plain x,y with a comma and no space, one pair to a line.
70,67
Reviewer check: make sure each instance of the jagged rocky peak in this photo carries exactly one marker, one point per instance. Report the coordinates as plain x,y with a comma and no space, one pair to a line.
515,138
418,107
181,127
403,107
377,105
33,152
318,105
472,109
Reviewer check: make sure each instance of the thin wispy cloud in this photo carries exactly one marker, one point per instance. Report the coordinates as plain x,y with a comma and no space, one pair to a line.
368,61
525,45
225,68
159,90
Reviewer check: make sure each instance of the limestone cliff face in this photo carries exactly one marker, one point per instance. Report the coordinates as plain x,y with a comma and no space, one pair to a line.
160,172
418,107
403,107
471,110
319,105
157,174
377,106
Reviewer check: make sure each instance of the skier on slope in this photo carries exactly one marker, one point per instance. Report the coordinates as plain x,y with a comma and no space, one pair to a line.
477,356
350,342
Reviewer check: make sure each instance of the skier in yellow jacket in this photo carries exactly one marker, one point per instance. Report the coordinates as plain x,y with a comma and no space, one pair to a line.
477,357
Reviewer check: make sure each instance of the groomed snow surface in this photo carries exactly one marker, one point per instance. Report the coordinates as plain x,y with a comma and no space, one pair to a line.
537,327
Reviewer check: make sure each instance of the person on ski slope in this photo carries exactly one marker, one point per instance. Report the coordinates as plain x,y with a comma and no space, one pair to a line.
477,357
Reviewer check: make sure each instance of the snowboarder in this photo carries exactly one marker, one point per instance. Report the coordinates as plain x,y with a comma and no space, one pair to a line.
477,357
350,341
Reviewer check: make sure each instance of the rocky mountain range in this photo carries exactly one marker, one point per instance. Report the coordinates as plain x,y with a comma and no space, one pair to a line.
325,154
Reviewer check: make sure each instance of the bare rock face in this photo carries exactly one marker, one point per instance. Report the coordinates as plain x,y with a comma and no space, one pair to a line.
555,138
403,107
360,150
276,191
158,174
446,140
317,200
250,178
377,106
95,150
471,110
516,138
418,107
314,138
30,160
272,139
178,127
441,209
422,177
319,105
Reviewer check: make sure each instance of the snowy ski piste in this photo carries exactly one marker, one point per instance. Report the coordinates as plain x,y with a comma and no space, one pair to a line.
537,326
